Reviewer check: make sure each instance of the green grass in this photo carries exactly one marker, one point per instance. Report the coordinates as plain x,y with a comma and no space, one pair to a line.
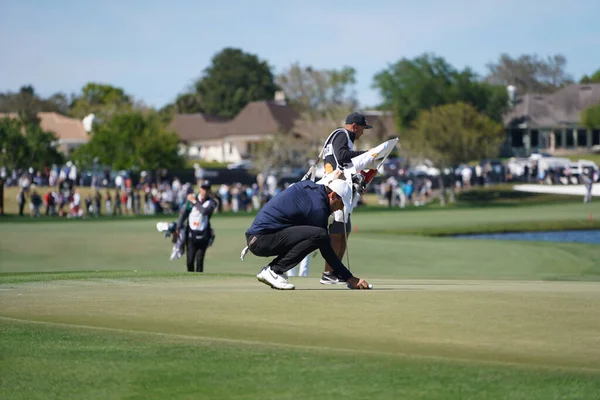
95,310
504,195
146,366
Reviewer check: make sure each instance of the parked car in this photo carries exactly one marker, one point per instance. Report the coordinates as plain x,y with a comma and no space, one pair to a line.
243,164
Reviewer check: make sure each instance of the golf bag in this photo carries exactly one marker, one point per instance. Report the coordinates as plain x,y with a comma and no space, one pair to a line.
178,238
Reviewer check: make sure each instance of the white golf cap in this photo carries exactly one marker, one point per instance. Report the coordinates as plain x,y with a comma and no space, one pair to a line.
344,190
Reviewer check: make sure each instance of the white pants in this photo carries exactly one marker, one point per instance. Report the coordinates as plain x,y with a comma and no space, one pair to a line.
303,270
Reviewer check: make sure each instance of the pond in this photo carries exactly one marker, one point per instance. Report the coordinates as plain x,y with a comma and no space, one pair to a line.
583,236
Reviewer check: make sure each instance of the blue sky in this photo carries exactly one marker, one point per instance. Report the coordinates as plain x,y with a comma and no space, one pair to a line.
154,49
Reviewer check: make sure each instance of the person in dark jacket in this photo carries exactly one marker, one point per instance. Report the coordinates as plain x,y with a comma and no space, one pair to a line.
293,224
194,227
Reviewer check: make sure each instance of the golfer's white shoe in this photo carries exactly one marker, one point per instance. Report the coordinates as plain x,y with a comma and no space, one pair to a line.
276,281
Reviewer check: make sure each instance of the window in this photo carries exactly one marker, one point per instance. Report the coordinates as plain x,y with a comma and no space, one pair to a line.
596,137
534,138
558,136
570,138
582,138
516,137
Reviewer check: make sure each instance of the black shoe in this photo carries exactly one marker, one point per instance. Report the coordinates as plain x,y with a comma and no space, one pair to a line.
330,278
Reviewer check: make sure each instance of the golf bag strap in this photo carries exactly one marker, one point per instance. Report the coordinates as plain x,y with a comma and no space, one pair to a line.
311,174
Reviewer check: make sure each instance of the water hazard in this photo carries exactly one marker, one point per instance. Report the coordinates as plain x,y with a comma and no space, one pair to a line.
583,236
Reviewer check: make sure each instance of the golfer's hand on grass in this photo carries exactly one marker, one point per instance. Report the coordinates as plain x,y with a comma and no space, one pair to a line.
357,283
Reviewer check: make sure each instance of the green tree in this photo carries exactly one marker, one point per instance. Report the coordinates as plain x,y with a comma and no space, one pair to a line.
234,79
42,149
188,103
452,134
25,144
102,100
590,117
410,86
14,149
131,140
530,73
27,103
595,78
322,98
316,91
283,151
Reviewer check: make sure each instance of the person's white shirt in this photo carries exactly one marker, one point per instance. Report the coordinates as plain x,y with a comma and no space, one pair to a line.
466,174
73,173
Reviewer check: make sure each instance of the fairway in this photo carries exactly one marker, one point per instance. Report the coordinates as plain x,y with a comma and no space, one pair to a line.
94,310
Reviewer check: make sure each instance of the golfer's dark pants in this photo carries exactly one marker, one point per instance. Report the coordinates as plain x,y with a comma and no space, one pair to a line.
290,245
196,249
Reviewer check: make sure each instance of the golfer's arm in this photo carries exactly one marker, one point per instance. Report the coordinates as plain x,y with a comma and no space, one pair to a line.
333,260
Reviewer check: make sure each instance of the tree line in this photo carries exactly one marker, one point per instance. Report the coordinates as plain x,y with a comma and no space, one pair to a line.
444,113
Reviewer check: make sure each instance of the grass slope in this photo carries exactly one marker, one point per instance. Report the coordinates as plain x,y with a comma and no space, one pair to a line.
448,319
135,245
54,362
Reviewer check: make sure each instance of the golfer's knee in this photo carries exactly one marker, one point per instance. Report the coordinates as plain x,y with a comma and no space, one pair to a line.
321,235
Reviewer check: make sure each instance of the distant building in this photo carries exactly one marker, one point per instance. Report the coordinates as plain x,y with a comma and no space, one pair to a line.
551,122
213,139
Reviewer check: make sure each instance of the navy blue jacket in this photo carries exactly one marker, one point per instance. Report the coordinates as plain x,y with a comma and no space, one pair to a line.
304,203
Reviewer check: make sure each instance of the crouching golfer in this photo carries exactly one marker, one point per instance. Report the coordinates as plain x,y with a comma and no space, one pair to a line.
293,224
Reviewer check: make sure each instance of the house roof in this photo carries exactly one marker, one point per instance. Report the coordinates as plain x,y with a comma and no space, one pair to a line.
198,126
558,109
257,118
65,128
262,117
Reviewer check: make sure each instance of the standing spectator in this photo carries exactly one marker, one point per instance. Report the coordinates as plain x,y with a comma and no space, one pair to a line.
21,200
118,209
136,202
224,194
128,200
49,201
2,193
97,201
108,204
408,190
588,181
24,182
35,203
38,180
88,205
77,211
119,182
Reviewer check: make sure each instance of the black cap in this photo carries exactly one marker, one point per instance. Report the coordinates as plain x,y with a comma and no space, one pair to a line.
358,119
205,184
